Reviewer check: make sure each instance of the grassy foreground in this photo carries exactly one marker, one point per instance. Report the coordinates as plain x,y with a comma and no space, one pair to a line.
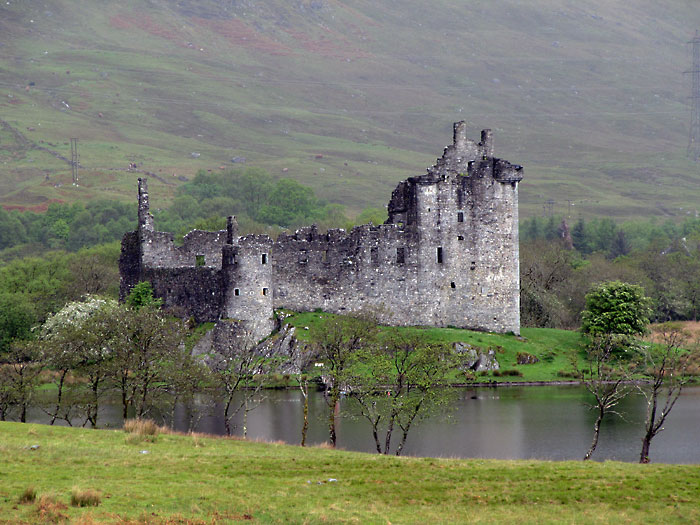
190,479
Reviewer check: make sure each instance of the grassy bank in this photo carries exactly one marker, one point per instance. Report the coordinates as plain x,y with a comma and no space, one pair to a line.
186,479
552,347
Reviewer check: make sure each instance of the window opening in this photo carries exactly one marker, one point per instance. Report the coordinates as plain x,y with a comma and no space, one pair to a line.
199,260
452,285
400,255
460,216
264,258
439,255
460,237
374,253
264,291
236,292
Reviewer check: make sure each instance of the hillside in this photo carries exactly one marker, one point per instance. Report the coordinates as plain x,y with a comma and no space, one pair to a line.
349,97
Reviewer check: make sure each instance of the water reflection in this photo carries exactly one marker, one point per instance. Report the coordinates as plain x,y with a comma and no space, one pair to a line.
551,422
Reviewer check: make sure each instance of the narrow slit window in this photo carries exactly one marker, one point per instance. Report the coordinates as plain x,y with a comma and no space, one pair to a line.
452,285
264,291
199,260
400,255
236,292
439,255
460,216
264,258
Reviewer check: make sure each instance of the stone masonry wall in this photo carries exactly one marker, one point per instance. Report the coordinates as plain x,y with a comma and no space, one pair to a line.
447,256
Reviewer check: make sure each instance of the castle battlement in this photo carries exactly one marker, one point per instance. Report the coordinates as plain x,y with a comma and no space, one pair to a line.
447,255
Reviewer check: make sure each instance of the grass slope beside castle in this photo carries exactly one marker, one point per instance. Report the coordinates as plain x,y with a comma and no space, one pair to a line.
554,348
590,96
196,479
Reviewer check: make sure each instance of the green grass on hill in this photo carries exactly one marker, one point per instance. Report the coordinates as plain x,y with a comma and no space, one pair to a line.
552,347
190,479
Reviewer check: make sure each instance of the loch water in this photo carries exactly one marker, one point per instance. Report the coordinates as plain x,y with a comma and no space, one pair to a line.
505,422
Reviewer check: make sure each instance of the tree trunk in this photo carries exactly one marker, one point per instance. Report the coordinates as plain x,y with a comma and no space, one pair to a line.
54,416
333,406
596,433
305,426
646,442
227,420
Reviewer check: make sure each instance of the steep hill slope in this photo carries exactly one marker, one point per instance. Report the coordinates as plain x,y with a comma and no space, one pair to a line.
350,97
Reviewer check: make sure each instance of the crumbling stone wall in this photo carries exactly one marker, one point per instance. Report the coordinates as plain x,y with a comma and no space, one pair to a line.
447,256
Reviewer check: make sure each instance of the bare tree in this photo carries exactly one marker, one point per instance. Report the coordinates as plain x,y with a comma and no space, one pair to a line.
239,372
664,365
604,377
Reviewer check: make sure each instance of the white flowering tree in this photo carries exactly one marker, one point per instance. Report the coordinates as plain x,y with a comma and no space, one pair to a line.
77,340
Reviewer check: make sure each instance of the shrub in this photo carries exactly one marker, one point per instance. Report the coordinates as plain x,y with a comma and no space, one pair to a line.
85,498
566,373
28,496
511,372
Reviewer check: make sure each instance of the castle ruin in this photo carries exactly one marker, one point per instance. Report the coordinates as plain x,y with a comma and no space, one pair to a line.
447,256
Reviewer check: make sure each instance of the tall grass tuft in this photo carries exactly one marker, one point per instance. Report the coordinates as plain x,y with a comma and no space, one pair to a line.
138,430
28,496
50,510
85,498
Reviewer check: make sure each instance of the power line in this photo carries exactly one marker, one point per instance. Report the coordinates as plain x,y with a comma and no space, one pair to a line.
694,134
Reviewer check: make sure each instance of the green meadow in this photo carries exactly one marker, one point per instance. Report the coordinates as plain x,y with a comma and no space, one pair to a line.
197,479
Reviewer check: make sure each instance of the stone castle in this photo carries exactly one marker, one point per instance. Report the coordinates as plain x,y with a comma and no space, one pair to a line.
446,256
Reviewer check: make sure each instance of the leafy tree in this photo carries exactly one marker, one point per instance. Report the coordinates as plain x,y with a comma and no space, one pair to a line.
142,295
145,341
76,340
17,316
21,375
616,308
336,342
402,379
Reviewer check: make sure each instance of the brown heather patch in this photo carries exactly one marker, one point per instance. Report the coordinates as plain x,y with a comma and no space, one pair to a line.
240,34
691,327
50,510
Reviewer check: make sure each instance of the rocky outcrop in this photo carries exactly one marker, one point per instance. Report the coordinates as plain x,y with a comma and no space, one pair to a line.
475,359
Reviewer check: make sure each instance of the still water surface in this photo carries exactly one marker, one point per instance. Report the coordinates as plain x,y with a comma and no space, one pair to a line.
548,422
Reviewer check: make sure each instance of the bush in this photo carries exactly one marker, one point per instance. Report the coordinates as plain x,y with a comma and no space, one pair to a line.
512,372
85,498
566,373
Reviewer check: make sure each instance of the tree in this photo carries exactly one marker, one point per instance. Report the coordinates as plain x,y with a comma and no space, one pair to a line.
336,341
664,365
604,378
617,308
407,380
142,295
17,317
77,340
146,340
21,375
239,369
